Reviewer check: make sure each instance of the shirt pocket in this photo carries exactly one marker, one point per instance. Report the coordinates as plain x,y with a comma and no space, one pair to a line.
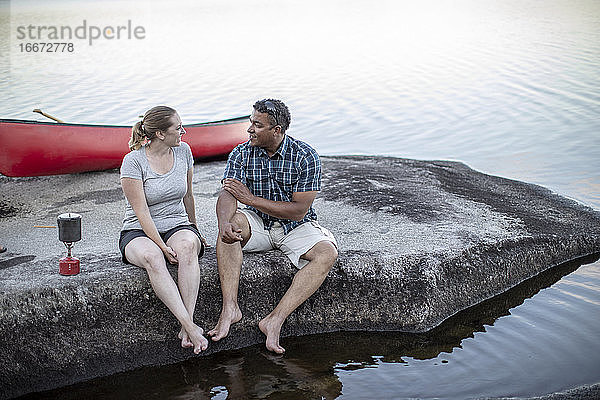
286,181
258,181
257,175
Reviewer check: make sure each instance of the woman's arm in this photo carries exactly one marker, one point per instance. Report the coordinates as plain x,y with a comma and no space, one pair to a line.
188,199
190,204
134,192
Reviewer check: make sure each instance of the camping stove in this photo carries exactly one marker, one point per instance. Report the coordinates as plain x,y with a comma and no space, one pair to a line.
69,231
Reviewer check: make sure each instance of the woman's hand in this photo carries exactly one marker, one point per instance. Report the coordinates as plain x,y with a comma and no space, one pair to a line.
204,242
170,254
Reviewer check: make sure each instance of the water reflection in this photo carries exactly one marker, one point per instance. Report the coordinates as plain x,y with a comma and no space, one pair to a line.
314,366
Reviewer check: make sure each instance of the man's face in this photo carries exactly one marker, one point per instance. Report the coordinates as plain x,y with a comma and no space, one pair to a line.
260,131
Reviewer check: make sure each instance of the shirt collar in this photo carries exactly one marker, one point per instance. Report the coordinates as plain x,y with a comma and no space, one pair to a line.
283,146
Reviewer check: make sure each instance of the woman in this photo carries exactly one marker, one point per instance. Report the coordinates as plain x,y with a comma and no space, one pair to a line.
160,219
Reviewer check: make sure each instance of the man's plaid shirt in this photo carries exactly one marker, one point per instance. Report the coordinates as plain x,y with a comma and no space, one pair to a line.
295,167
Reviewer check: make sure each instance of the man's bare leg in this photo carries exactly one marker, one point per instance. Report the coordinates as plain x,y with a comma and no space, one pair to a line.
306,281
229,261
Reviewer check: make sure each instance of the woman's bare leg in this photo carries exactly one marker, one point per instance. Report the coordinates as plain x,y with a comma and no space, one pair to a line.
143,252
187,246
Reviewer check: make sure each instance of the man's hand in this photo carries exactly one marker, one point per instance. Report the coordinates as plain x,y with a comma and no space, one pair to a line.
238,190
230,233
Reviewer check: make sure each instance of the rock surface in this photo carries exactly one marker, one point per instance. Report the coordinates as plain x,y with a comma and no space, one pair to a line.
419,241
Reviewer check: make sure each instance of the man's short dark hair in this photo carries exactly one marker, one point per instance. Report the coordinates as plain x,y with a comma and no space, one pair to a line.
277,110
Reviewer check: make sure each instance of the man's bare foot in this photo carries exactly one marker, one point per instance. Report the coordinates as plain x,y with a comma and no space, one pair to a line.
185,340
228,317
199,342
271,328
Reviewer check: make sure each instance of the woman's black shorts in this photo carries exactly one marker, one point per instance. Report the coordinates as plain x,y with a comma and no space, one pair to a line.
128,235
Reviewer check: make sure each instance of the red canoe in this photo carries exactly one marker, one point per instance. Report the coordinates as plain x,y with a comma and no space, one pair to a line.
33,148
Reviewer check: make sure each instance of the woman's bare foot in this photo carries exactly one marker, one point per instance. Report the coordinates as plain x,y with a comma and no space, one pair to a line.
185,340
228,316
271,328
199,342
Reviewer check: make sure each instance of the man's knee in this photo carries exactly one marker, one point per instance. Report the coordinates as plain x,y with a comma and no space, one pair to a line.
330,253
240,220
324,253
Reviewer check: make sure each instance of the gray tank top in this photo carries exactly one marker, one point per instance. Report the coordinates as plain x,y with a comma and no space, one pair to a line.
164,193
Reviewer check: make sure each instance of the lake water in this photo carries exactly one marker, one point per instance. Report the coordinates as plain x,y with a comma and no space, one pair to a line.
511,88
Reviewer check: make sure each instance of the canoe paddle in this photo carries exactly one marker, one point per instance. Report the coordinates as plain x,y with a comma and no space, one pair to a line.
37,110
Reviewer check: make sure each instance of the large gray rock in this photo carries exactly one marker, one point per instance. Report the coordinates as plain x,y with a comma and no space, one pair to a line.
419,241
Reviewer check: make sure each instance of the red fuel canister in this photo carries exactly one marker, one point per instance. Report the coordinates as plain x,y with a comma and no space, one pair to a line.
68,266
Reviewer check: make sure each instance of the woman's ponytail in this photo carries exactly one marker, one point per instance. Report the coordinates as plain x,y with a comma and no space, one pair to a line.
155,119
138,136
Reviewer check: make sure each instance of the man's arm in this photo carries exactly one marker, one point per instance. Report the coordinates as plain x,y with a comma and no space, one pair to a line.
226,208
293,210
226,203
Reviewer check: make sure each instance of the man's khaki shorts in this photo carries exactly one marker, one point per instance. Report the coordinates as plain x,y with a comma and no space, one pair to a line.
295,244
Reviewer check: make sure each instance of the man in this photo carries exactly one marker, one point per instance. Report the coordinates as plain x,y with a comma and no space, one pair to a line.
277,178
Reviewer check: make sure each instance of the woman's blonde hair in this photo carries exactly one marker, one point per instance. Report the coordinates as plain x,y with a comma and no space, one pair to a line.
155,119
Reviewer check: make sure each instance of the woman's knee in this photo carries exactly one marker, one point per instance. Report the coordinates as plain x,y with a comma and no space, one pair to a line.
146,254
153,261
186,244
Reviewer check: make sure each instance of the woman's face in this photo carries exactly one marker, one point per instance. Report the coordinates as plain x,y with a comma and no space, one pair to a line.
175,131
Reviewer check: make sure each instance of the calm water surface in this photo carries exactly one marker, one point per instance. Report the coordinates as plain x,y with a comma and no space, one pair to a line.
537,338
511,88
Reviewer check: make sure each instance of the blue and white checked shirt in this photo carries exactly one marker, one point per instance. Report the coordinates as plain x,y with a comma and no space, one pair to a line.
295,167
